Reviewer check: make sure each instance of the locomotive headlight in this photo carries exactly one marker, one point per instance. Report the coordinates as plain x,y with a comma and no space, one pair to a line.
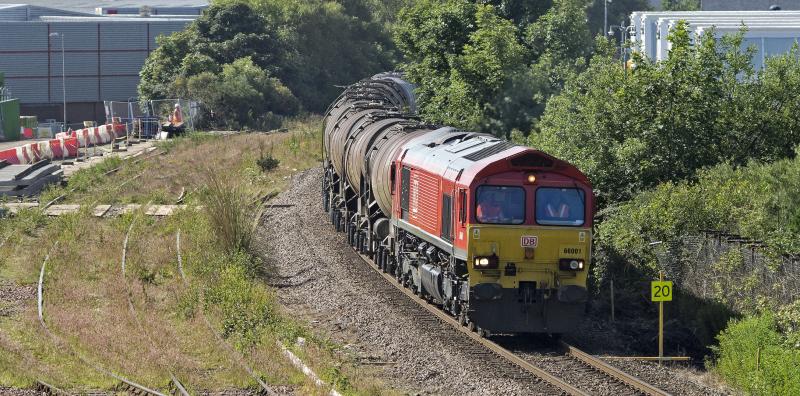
531,178
571,265
486,262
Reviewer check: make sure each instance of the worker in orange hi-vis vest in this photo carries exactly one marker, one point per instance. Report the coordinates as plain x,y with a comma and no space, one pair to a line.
177,115
175,124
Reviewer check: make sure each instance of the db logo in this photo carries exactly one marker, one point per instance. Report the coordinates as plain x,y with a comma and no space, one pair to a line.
529,241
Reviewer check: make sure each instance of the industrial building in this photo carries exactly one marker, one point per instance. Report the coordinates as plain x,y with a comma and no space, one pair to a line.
769,32
748,5
103,55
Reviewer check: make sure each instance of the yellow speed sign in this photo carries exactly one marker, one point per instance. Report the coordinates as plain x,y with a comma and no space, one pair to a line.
661,291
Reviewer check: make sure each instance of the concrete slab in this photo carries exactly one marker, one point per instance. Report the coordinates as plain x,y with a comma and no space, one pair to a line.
163,210
15,207
100,210
60,210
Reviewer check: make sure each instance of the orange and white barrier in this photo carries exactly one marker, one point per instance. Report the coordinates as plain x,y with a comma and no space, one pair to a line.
65,145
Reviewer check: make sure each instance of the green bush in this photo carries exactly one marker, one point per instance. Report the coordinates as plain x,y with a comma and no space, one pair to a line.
759,201
660,122
246,308
752,356
243,95
268,162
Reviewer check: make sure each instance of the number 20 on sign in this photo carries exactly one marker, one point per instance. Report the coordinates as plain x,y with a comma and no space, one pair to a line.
661,291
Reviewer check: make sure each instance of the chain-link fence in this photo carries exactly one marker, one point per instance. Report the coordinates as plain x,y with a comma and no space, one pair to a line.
739,272
145,119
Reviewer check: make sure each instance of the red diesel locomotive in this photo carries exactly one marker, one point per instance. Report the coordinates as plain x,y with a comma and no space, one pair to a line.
497,234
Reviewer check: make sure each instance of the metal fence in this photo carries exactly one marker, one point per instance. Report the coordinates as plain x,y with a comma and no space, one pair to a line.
145,118
739,272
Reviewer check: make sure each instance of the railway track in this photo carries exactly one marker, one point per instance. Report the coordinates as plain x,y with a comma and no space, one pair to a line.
235,356
614,378
176,385
46,387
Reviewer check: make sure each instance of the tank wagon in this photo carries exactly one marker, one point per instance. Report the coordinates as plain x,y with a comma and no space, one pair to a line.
499,235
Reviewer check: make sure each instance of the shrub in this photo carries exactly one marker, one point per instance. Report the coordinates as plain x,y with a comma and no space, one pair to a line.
246,307
268,162
243,95
752,356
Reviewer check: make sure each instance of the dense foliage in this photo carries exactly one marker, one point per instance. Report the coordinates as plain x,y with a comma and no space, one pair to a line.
242,95
680,5
704,105
490,65
761,201
761,354
309,47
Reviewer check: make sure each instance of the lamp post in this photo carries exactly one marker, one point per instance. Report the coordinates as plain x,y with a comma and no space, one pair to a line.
605,14
623,38
63,78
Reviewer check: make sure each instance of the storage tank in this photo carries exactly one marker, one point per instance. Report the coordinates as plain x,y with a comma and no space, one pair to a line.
362,141
385,151
357,107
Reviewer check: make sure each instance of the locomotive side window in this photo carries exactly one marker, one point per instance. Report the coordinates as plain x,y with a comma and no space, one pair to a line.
405,187
560,206
447,218
462,214
500,205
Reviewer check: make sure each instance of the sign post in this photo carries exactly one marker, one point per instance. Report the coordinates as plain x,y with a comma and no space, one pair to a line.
661,291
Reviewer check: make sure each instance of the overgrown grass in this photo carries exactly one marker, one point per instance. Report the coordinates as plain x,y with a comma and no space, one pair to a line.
229,210
85,292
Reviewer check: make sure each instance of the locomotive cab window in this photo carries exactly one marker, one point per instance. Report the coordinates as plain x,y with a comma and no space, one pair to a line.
560,206
500,205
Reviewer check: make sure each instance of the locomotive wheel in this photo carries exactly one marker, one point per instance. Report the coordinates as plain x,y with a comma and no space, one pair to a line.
471,326
462,319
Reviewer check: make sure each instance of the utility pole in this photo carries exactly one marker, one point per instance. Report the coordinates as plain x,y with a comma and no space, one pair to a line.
605,15
63,77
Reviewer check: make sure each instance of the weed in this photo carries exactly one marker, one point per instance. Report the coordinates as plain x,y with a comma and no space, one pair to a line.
229,212
29,220
268,162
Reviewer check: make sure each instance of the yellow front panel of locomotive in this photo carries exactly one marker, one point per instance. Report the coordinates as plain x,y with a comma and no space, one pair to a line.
545,247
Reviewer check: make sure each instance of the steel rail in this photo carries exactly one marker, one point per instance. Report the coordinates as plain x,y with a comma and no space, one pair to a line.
488,344
47,389
178,386
617,374
236,356
590,360
58,340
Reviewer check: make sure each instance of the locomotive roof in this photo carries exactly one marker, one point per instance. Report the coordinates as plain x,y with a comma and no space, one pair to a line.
467,156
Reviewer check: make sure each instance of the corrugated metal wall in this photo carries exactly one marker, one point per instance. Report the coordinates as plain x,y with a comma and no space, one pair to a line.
102,62
13,13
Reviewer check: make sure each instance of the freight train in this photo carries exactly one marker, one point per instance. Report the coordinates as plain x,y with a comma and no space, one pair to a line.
499,235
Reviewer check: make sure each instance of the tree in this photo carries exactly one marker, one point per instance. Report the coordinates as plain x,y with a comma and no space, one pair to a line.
490,66
310,46
680,5
243,94
661,121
